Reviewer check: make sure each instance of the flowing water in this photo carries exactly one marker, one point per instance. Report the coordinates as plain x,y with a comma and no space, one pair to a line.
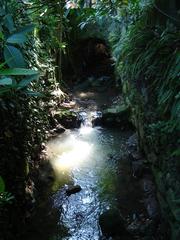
96,159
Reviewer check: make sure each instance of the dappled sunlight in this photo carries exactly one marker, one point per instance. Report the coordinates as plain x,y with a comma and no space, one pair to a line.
85,94
68,153
85,130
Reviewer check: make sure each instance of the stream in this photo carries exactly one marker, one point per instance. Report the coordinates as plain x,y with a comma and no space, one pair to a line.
96,160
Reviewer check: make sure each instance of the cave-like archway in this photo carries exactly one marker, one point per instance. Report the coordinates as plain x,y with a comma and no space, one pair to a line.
95,57
91,57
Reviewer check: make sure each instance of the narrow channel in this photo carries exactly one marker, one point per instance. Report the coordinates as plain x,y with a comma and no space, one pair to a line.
96,159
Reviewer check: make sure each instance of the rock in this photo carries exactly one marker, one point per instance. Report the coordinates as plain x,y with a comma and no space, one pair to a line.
68,119
133,142
137,168
144,229
116,115
97,119
112,223
152,207
148,187
150,201
73,189
59,129
134,227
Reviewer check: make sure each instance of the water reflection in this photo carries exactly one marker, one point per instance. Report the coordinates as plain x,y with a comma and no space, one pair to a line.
68,153
89,155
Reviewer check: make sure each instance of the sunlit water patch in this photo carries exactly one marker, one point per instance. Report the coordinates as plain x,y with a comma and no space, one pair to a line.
91,157
67,153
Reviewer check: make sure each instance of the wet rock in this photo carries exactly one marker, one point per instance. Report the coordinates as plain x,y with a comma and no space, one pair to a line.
134,227
150,201
152,207
136,155
58,130
72,189
133,142
68,119
138,168
112,223
97,119
139,228
96,122
116,115
148,187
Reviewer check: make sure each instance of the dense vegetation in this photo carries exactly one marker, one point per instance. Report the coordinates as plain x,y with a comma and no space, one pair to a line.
38,52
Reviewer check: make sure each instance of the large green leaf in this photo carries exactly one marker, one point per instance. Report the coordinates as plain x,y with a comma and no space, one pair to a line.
14,57
17,38
17,72
9,23
27,28
5,90
2,185
25,82
6,81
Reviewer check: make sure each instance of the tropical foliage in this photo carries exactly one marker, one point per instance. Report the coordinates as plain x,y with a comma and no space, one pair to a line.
38,43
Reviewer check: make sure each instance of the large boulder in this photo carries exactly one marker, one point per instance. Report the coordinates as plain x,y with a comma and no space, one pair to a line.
116,115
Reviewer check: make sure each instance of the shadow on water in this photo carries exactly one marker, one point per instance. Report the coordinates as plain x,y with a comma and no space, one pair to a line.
97,160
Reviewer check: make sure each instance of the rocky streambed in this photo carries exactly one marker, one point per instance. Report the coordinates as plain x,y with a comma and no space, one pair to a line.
104,188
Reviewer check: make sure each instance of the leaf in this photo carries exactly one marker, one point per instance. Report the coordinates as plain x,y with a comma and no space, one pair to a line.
176,153
14,57
25,82
82,25
1,36
27,28
2,12
8,197
9,23
6,81
2,185
2,65
17,38
18,72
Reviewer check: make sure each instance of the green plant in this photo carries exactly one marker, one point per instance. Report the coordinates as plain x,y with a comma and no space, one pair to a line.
5,197
150,61
10,82
12,40
12,44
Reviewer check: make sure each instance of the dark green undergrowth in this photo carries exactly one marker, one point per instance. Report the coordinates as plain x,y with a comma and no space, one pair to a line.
27,82
149,67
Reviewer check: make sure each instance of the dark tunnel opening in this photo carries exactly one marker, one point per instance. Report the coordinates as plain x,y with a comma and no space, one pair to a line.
90,57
